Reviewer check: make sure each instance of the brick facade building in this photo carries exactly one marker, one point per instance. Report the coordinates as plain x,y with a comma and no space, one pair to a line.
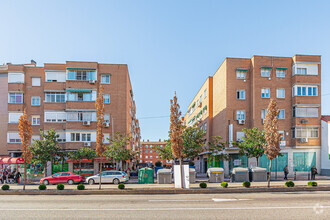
62,97
241,90
149,155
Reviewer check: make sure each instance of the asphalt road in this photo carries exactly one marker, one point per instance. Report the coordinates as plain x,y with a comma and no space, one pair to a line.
311,205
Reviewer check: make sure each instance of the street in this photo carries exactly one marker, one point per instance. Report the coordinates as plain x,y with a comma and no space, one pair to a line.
314,205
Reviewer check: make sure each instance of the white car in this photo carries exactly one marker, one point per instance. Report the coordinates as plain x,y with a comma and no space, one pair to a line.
114,177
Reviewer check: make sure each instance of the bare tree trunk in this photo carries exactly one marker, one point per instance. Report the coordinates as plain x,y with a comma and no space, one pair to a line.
45,167
270,172
100,173
181,172
257,161
24,175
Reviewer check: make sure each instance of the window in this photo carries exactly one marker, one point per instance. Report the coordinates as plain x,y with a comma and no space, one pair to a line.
15,77
55,116
35,120
105,79
146,146
150,157
150,151
280,73
146,151
15,98
240,94
305,112
306,132
35,100
283,135
13,138
301,71
146,157
106,138
106,98
35,81
205,109
81,116
80,95
240,114
55,96
197,102
14,117
240,135
263,113
281,115
86,137
62,137
240,74
34,138
304,161
280,93
205,93
200,99
75,137
265,72
55,77
81,75
156,156
265,93
305,90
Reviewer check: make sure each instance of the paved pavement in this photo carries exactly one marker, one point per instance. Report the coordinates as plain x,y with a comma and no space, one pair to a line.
162,186
313,205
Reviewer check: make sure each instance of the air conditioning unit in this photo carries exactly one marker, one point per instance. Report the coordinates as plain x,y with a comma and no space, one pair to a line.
241,122
282,143
86,123
91,81
303,140
87,144
106,124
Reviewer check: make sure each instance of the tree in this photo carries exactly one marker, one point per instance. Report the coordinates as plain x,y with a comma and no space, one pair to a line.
272,147
100,147
217,149
176,130
164,152
25,133
46,149
117,150
252,144
82,153
193,141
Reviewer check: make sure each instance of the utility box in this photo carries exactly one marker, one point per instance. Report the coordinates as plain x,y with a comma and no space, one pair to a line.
240,174
259,174
164,176
192,175
215,174
146,175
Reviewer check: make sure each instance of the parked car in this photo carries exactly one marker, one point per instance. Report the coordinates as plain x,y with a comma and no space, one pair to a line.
114,177
63,177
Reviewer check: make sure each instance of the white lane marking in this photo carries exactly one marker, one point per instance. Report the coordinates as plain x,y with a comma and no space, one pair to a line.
170,209
182,200
228,200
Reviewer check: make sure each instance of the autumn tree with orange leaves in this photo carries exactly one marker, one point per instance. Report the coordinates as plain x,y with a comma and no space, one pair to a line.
272,136
25,132
100,147
176,130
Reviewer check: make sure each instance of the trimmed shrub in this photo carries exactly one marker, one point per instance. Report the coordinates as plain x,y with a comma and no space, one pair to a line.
42,187
158,164
224,184
5,187
246,184
202,185
121,186
191,163
81,187
60,187
312,183
289,183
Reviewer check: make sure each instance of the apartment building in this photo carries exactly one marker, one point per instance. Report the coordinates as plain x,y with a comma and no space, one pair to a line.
242,89
150,155
62,97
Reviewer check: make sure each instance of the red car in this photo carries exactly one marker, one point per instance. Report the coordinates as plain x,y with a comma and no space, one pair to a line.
63,177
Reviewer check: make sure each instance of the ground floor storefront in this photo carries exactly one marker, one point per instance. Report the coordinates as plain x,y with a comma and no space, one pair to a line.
298,160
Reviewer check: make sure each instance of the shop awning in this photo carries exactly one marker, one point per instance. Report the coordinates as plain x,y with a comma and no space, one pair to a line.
266,67
103,159
241,69
281,68
12,160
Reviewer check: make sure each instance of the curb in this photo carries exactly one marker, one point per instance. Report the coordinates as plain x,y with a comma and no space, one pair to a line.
166,191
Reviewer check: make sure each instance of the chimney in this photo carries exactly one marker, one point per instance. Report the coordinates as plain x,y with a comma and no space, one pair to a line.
160,140
33,62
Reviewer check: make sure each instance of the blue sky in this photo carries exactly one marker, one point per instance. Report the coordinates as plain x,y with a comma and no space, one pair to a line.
168,45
